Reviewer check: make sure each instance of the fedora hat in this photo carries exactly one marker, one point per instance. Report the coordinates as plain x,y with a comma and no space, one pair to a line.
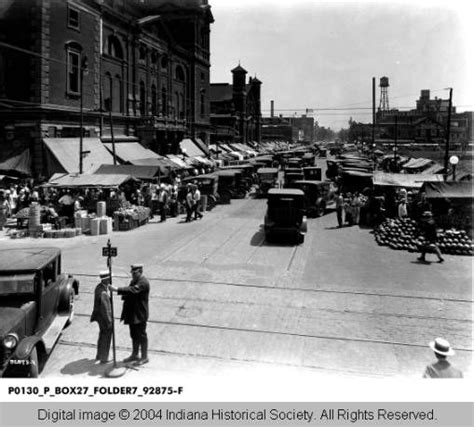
427,214
442,347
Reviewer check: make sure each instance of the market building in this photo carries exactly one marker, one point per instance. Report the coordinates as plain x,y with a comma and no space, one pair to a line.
236,109
133,71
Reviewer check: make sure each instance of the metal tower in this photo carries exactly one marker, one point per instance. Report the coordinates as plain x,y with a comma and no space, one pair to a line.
383,106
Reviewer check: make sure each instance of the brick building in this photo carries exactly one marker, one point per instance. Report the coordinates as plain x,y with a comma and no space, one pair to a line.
236,109
140,67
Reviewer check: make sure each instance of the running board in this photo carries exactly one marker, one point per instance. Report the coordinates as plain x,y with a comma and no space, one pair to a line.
52,333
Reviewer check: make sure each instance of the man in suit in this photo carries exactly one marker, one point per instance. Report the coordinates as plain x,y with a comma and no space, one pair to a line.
102,314
441,368
135,313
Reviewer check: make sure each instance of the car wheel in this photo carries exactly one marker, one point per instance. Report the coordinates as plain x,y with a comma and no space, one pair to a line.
33,366
71,308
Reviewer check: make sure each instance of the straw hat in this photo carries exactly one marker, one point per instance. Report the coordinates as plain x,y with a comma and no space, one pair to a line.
442,347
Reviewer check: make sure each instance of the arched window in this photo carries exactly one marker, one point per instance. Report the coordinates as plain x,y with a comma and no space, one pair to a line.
154,101
117,98
164,101
182,111
142,98
74,59
176,104
114,47
179,74
202,104
108,92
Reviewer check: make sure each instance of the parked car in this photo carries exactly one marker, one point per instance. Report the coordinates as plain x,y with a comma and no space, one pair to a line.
267,179
285,214
207,185
312,173
318,196
36,304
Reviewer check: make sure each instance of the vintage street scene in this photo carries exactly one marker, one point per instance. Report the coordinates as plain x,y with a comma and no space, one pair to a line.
192,187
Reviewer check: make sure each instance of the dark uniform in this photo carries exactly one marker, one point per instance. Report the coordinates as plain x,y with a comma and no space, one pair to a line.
135,314
102,314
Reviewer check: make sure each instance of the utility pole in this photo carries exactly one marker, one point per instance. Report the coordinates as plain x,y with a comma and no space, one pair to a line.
446,154
396,139
373,111
82,71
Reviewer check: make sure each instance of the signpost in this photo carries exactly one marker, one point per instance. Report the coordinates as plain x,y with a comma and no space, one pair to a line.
110,251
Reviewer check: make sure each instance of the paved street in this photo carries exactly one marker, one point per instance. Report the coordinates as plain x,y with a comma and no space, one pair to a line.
223,300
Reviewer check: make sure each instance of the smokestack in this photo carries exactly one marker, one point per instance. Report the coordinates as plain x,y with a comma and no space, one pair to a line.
271,108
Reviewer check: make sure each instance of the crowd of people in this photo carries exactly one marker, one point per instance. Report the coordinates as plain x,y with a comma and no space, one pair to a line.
165,199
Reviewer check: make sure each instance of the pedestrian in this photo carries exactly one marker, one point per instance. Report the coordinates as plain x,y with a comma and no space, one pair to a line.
197,202
356,204
102,314
339,209
402,208
428,229
348,209
189,203
163,202
135,313
441,368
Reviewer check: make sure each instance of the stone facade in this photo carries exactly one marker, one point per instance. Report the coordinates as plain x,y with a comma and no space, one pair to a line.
144,68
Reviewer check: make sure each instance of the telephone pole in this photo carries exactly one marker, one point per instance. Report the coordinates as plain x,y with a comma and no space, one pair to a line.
446,153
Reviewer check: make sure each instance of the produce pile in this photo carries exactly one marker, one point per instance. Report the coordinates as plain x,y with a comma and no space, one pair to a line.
139,213
405,235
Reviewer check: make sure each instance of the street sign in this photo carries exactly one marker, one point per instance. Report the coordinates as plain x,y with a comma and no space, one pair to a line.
109,251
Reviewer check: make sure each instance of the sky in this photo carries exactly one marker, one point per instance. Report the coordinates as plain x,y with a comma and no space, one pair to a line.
323,55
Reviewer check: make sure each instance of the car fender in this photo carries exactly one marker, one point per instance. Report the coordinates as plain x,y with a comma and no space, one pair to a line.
70,284
25,347
304,225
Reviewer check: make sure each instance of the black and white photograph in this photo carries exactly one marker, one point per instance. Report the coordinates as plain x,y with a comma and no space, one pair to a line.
242,189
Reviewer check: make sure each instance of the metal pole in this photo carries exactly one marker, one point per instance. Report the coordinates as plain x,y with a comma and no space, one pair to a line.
396,139
81,118
446,154
373,111
454,172
112,132
109,262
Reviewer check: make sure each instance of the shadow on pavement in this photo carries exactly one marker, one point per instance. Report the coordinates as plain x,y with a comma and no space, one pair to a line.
258,238
82,366
417,261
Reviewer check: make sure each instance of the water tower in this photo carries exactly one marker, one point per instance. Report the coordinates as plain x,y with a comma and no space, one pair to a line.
383,106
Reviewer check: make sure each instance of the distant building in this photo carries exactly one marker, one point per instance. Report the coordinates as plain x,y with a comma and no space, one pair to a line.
235,109
289,129
427,123
142,65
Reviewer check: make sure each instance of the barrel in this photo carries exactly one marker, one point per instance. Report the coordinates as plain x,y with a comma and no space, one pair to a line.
95,226
34,216
101,209
105,225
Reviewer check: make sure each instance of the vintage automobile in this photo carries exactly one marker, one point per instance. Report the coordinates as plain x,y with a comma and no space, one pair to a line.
231,185
312,173
267,179
292,176
207,185
318,195
36,304
285,214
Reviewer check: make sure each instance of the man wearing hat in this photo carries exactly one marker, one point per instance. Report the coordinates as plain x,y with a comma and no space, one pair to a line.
442,368
428,228
135,312
102,314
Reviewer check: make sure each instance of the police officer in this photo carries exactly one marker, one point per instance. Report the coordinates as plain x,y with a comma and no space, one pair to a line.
102,314
135,313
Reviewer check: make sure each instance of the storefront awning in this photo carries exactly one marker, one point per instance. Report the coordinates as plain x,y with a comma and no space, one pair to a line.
140,172
88,180
128,152
189,147
448,190
18,162
404,180
66,153
417,163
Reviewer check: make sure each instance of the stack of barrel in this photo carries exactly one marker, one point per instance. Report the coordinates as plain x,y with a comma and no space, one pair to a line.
34,220
102,224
